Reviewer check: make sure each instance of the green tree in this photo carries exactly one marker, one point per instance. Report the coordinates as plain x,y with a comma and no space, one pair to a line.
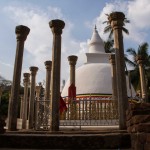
135,77
108,28
4,103
108,45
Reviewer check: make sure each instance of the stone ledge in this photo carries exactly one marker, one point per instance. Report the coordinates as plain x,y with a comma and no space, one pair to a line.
63,141
142,127
131,113
139,106
138,119
140,141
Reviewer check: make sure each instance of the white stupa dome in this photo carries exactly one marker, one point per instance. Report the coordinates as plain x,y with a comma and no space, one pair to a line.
94,77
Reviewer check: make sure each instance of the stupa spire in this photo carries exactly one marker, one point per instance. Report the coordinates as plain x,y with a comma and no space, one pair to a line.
96,44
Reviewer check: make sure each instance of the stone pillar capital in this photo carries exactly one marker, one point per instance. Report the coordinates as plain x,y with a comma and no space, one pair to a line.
57,26
33,70
48,65
116,19
21,32
26,77
112,59
72,60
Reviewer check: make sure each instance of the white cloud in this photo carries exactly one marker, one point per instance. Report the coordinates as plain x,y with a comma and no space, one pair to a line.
139,12
110,7
38,45
6,64
136,11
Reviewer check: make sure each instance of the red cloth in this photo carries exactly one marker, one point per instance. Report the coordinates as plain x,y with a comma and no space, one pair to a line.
62,106
72,91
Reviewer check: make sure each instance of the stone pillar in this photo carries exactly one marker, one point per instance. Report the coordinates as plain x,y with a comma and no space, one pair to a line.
38,89
114,76
37,105
116,20
56,27
21,33
21,105
25,106
48,65
140,61
32,97
72,62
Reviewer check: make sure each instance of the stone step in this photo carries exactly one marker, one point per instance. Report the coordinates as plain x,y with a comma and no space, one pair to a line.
62,140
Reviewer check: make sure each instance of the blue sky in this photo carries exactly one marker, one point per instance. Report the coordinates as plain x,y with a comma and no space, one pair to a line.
80,17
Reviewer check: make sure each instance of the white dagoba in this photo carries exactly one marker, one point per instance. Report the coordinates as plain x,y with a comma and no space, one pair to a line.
94,77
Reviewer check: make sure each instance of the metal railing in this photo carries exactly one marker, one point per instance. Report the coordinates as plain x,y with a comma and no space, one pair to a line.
80,112
42,114
89,112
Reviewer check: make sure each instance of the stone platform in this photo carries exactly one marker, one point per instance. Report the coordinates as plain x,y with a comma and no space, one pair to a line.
105,139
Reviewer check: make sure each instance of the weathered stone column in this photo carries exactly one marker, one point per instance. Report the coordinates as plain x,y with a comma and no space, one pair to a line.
48,65
56,27
21,105
140,61
38,89
32,97
37,106
72,62
116,20
114,76
21,33
25,106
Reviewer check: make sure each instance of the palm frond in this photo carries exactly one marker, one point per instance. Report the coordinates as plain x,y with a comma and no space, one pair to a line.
131,51
111,34
131,63
107,29
105,22
125,30
108,45
126,20
143,49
